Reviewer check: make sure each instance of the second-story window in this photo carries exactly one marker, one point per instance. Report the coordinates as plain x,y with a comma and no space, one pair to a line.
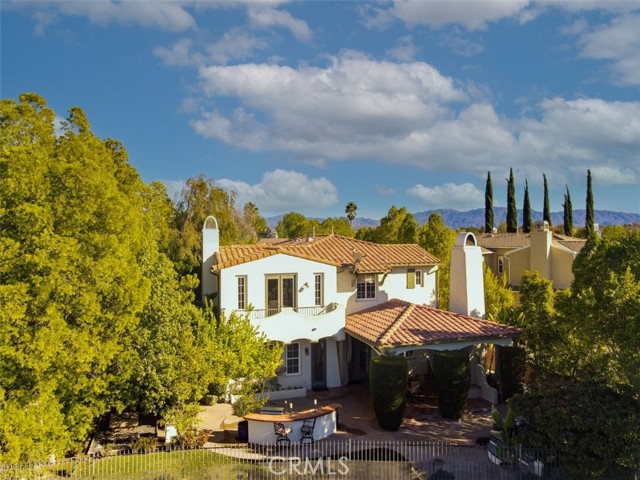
365,287
242,292
500,265
418,278
319,289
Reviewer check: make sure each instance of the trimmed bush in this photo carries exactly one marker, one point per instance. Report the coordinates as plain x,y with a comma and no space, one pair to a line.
453,378
512,364
388,381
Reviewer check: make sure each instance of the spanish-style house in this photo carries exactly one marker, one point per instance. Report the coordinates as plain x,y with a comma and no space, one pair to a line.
335,301
541,250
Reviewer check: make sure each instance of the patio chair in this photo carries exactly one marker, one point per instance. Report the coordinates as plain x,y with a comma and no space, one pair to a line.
282,433
307,430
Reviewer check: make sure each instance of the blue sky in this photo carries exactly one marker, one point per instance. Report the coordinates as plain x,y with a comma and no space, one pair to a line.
305,106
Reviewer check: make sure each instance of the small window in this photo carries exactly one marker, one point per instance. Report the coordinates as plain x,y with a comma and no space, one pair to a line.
419,278
319,289
292,358
242,293
500,265
365,287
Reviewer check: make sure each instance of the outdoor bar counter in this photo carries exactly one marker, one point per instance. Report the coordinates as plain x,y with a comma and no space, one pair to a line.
324,420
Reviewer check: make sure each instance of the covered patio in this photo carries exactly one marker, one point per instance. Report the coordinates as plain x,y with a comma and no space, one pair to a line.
417,331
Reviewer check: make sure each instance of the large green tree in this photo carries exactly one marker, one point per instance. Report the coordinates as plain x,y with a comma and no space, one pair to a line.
199,198
488,205
398,226
72,231
604,309
296,225
512,211
438,239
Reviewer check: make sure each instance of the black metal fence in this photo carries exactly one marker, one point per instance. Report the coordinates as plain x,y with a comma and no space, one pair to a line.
349,459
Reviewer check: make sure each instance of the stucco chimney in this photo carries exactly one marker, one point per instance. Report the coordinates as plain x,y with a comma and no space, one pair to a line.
210,245
540,252
466,285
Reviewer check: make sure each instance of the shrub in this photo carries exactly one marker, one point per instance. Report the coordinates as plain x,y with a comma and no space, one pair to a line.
453,379
388,381
589,425
246,404
144,444
512,363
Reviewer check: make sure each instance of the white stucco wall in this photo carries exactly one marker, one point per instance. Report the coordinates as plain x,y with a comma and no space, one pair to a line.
258,270
391,285
562,263
263,432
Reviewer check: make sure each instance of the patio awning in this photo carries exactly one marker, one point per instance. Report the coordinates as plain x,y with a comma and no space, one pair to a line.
403,325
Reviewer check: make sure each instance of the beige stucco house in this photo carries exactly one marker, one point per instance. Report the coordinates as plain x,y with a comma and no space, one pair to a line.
541,250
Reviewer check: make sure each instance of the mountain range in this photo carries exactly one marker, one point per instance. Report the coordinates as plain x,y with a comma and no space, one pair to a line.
475,218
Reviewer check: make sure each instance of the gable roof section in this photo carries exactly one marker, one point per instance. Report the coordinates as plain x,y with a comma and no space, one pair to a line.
399,323
333,250
519,240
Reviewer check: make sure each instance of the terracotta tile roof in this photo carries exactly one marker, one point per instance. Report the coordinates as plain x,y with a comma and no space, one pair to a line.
518,240
397,322
332,249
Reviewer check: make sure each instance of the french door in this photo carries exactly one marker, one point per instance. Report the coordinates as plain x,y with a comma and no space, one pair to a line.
281,293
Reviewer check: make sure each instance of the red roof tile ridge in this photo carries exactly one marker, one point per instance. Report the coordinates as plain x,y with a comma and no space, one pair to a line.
410,307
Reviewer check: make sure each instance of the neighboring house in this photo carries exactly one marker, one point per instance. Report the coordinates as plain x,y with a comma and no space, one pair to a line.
320,295
541,250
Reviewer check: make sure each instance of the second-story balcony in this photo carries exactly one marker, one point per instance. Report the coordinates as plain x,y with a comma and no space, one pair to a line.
257,314
289,324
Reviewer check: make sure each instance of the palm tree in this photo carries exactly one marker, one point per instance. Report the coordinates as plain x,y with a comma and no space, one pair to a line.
350,210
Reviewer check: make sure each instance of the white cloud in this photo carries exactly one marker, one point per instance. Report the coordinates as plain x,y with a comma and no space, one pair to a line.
178,54
171,16
613,175
235,44
281,190
449,195
619,42
474,15
408,113
264,15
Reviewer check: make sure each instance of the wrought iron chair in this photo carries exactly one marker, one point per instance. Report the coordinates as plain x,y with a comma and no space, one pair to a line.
282,433
307,430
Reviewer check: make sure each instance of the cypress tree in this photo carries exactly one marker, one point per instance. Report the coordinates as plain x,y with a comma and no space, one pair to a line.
488,205
589,220
568,213
526,210
546,212
512,212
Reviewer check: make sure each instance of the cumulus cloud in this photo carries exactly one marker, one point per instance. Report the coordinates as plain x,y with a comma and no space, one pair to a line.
266,15
278,190
450,195
618,42
170,16
407,113
235,44
473,15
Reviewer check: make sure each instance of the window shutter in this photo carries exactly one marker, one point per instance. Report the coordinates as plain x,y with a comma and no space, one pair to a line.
411,278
